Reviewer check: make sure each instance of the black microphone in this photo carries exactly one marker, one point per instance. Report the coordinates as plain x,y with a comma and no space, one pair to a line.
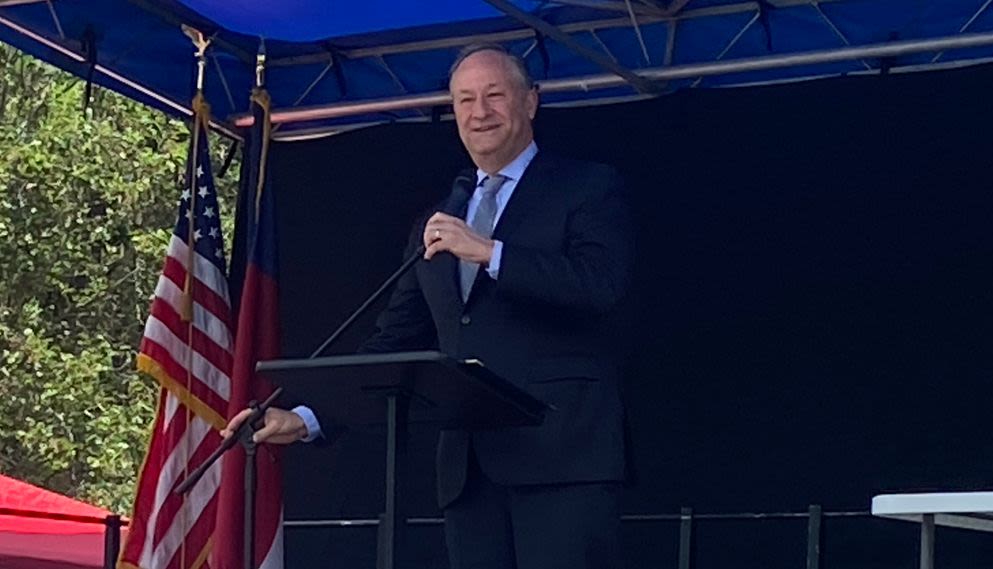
462,188
455,204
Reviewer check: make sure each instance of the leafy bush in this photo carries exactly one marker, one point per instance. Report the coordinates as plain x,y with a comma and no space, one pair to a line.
87,204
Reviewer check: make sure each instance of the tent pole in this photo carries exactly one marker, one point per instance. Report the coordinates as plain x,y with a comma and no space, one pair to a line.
639,82
605,81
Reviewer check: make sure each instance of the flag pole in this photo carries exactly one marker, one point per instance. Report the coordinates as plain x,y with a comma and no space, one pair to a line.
248,555
201,114
261,98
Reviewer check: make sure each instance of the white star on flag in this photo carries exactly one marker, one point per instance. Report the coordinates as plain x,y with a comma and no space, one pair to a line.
208,212
218,253
203,191
214,232
199,171
185,195
197,235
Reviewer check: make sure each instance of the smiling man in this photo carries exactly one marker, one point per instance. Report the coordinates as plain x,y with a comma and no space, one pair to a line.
523,281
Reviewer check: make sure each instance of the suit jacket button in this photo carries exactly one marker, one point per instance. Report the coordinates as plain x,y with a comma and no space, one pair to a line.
466,319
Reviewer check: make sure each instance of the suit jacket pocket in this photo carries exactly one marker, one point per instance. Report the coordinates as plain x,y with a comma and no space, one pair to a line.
568,369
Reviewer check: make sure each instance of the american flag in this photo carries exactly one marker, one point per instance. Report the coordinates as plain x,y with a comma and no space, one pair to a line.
187,347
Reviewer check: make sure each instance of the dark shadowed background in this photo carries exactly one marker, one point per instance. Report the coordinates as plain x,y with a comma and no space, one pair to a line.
811,322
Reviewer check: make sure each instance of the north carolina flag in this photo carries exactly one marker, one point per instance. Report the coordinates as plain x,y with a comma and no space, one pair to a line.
256,338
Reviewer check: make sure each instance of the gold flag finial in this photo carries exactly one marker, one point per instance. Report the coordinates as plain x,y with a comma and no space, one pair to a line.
201,43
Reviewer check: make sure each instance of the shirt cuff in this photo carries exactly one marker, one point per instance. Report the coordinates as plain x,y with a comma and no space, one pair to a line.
310,421
493,269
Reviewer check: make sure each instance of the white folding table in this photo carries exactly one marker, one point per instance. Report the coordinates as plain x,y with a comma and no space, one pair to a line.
968,510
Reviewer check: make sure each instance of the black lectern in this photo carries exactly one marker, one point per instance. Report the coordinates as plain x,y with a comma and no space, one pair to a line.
400,388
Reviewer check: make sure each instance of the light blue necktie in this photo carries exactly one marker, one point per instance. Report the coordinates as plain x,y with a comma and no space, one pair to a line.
481,223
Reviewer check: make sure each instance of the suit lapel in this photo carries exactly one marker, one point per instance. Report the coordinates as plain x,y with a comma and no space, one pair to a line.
448,276
527,197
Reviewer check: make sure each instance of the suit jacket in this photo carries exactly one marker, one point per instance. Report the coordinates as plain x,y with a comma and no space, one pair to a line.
566,262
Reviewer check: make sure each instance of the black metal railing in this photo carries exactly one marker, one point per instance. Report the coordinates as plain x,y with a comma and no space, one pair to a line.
686,518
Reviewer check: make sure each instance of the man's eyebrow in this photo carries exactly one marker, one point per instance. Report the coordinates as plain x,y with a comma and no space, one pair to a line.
487,86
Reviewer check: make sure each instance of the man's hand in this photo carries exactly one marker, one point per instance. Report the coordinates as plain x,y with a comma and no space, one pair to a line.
444,232
281,427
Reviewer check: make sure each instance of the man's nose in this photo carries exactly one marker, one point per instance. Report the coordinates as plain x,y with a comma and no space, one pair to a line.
480,107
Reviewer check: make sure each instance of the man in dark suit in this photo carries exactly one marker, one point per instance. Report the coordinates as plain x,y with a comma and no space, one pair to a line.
523,280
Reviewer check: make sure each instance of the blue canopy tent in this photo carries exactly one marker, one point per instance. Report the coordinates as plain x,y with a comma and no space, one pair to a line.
335,65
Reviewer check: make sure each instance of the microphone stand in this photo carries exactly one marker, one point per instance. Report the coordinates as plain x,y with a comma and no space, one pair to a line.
242,435
389,282
461,191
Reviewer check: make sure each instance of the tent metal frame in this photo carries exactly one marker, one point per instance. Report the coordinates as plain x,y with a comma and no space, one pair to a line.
605,61
649,81
522,33
6,3
605,81
631,14
221,127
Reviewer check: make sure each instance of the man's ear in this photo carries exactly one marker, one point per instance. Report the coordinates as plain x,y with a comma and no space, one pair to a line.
532,102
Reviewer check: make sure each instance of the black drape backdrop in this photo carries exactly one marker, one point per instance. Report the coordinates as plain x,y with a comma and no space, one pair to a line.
810,323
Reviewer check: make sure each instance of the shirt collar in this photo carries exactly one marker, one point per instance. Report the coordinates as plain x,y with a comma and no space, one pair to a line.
515,169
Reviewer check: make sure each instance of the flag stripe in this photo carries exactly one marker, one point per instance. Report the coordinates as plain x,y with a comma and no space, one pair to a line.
144,498
204,270
173,502
165,328
216,329
274,559
176,462
171,319
205,403
199,409
205,296
209,360
158,487
197,554
186,515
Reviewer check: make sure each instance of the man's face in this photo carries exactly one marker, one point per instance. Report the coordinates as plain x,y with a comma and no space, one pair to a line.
493,109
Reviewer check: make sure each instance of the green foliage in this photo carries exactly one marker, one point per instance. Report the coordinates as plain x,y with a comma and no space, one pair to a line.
87,204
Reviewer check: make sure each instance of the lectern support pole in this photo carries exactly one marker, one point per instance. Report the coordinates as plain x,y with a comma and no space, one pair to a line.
248,553
391,523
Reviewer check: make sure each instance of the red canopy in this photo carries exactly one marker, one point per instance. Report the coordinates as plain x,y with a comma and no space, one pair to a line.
41,529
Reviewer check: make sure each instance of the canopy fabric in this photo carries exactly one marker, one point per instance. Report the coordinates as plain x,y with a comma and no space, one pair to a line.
40,528
338,52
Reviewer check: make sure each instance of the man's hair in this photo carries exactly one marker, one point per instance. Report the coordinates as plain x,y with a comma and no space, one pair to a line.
517,64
